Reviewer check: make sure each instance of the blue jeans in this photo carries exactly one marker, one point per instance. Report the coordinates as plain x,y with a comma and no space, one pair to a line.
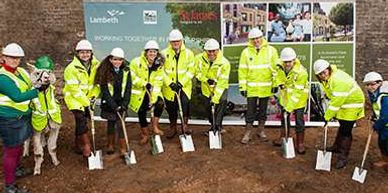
15,130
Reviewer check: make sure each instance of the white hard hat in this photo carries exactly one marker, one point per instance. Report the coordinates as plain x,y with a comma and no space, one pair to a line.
84,45
287,54
255,33
372,77
152,44
117,52
13,49
211,44
175,35
320,65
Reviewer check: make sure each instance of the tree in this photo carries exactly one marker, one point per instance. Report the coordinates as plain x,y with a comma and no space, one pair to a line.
342,14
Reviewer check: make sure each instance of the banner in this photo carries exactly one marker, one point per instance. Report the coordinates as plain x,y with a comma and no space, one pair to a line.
314,30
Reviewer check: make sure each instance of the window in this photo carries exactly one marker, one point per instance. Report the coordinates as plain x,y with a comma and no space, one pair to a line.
244,16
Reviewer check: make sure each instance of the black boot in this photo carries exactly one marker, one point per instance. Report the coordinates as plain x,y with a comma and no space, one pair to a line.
14,189
344,148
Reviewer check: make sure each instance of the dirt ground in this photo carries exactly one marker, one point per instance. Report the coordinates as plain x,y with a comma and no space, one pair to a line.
237,168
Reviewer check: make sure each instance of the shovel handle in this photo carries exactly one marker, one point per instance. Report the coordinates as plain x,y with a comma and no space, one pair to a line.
325,137
367,145
180,111
150,103
121,117
285,125
91,113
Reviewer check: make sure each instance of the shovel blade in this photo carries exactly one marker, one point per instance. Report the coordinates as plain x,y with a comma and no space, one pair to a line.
323,161
130,159
359,175
288,148
186,143
157,146
95,161
215,141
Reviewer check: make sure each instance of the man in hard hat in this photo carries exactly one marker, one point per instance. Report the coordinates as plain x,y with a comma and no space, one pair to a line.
80,91
213,73
346,105
180,70
293,81
46,114
256,72
16,92
147,80
378,96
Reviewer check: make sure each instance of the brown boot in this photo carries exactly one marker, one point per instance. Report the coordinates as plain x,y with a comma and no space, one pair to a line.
278,141
145,134
335,147
383,163
186,127
344,148
172,131
155,126
123,146
86,150
247,135
111,141
300,143
260,132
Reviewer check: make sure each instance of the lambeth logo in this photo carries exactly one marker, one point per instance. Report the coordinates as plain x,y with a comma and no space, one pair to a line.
112,17
150,17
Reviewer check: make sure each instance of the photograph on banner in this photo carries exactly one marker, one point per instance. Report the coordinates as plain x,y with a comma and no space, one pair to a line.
340,54
333,22
289,22
131,25
239,18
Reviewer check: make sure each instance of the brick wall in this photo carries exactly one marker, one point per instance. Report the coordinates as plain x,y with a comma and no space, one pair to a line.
54,27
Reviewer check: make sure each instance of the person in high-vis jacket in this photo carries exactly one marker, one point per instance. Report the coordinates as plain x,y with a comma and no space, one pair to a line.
147,80
346,105
213,73
378,96
114,78
80,92
293,84
46,114
256,76
179,71
16,93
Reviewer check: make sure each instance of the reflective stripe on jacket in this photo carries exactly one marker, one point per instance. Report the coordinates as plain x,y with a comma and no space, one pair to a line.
218,71
79,84
257,70
346,97
182,71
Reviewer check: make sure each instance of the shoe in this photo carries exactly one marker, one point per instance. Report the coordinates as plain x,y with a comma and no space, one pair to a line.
172,131
14,189
247,135
23,172
381,164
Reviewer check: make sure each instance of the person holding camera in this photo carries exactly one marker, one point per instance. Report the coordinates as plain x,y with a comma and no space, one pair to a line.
147,80
114,77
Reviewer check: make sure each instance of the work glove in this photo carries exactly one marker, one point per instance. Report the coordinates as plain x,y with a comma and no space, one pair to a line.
119,109
243,93
288,109
281,86
211,82
148,86
92,101
174,86
275,90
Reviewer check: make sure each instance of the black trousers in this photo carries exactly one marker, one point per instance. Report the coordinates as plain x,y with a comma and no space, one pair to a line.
220,110
345,128
81,121
115,127
251,115
142,113
173,109
299,120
